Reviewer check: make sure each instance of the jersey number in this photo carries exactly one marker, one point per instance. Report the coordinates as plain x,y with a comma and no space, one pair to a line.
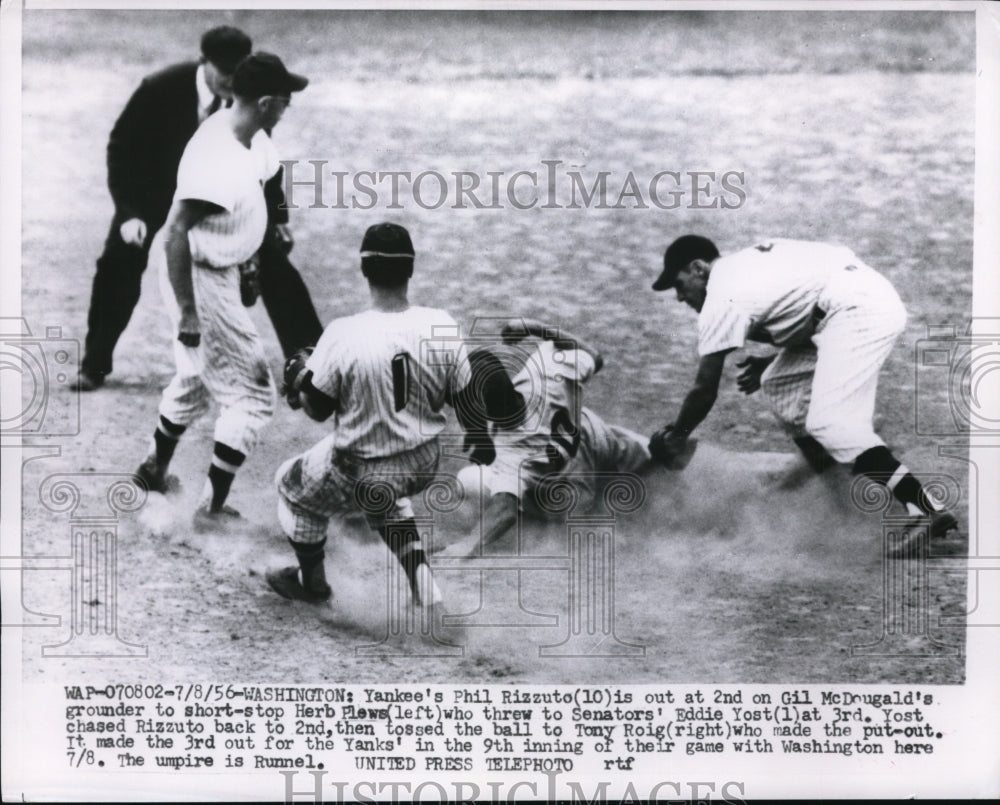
564,441
400,380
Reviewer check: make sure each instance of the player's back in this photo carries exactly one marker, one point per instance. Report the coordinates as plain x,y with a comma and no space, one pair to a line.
775,284
549,383
389,373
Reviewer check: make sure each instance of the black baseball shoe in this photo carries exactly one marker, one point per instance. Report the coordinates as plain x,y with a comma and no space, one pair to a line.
153,480
205,519
87,381
286,583
913,544
942,522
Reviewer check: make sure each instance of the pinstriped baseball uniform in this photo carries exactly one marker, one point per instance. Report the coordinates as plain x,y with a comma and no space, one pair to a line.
389,373
229,366
836,320
559,436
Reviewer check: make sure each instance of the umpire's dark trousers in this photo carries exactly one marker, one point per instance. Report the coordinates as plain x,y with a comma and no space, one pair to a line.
118,282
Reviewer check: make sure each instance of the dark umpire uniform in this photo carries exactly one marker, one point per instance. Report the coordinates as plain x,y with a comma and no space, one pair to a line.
144,150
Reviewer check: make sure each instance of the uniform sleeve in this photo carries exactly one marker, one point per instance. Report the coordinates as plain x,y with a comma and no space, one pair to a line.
272,177
324,363
128,152
202,176
721,326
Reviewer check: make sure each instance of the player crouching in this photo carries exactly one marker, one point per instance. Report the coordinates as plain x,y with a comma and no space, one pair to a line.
384,376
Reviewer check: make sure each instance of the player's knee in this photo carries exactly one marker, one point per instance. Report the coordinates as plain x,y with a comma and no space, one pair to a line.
303,528
837,435
286,518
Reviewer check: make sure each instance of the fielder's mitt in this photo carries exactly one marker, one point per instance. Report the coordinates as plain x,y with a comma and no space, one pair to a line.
293,375
250,281
671,448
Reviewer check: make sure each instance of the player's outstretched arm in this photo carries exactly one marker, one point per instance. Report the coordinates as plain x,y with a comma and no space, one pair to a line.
670,443
517,329
702,396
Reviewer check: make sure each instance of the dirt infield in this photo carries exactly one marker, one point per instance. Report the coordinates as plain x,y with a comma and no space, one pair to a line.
720,576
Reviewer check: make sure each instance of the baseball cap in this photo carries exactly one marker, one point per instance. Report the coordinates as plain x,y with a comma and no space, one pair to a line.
681,252
386,240
225,46
261,74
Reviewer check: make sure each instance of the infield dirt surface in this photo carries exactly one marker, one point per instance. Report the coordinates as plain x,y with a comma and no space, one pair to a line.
852,128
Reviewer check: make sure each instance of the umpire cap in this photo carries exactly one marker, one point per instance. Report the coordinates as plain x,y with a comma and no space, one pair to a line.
225,47
681,252
261,74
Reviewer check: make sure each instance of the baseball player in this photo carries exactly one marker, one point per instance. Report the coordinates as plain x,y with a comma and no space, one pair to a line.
834,321
539,429
384,376
215,226
143,153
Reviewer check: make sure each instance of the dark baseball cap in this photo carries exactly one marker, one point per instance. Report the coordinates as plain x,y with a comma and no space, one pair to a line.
261,74
225,47
681,252
387,240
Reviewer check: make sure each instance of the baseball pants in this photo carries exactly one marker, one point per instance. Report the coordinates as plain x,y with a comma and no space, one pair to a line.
118,282
229,365
826,388
323,482
603,452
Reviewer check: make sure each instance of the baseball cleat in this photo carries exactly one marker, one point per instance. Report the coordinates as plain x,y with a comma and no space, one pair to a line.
207,520
87,381
286,583
942,522
913,543
425,591
152,480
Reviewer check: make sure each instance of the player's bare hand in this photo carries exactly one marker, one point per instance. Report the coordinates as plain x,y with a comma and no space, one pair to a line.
189,331
748,381
282,235
133,232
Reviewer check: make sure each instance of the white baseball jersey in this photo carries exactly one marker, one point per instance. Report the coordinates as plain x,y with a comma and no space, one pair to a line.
824,380
218,168
767,293
549,382
229,366
389,373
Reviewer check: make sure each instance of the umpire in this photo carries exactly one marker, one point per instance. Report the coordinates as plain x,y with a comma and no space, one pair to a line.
144,150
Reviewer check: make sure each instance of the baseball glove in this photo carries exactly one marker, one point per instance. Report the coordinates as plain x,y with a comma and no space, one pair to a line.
294,373
250,281
671,448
